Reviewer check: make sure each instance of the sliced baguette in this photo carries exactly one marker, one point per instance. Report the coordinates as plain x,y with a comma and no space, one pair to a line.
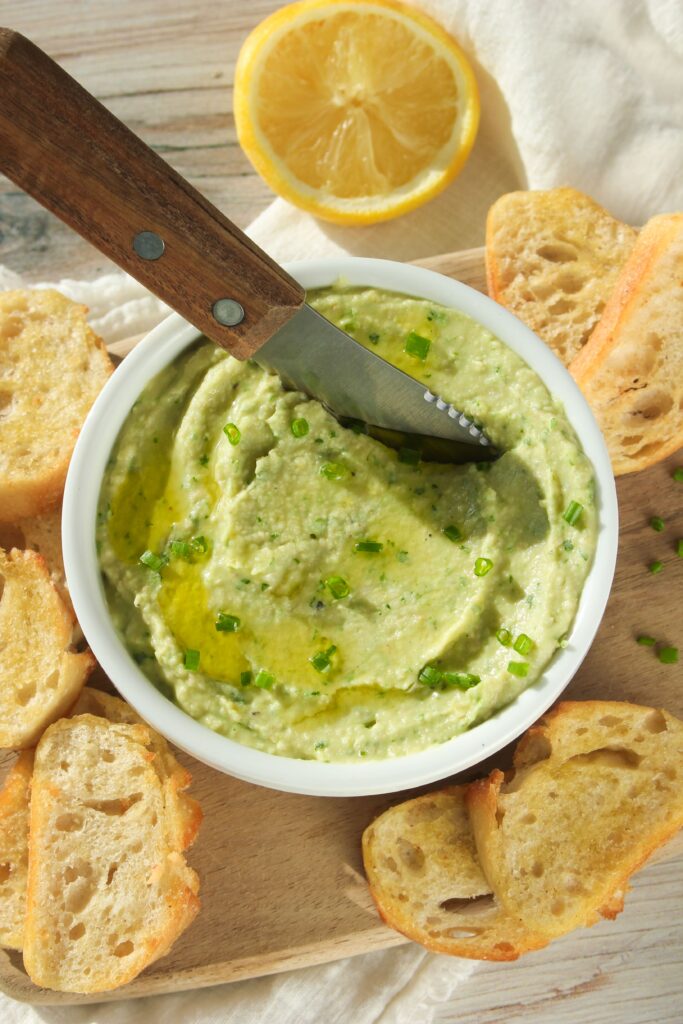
40,674
552,258
426,881
631,368
14,816
107,891
52,367
595,789
44,535
185,814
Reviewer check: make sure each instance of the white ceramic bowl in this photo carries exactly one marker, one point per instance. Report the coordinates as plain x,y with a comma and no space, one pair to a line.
80,506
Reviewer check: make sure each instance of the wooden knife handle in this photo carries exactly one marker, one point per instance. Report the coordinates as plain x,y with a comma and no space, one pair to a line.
60,144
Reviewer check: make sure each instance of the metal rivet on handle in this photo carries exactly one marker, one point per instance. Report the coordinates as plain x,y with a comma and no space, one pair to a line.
228,312
149,245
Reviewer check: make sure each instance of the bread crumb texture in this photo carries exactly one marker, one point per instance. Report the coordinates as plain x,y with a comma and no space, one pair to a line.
631,369
426,880
553,257
596,787
184,813
42,534
52,366
508,863
108,889
41,673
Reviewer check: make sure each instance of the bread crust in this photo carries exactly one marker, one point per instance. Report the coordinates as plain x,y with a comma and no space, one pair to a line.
552,258
14,818
42,417
636,351
40,674
415,905
544,848
42,534
184,812
77,828
585,733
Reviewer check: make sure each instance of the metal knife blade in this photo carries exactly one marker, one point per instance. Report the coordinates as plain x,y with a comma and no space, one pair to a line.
310,354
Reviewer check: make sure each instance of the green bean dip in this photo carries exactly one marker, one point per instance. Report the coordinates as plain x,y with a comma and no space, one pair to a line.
303,589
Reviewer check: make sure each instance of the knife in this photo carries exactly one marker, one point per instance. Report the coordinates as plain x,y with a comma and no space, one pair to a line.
59,144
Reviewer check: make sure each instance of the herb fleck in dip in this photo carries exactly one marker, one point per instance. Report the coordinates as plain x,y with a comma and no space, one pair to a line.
304,590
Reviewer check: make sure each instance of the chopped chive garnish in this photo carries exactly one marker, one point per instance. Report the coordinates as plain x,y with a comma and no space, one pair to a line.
430,676
657,523
417,346
264,680
568,545
523,644
518,668
402,556
679,548
323,659
245,678
338,587
461,680
435,679
504,636
482,566
227,623
452,532
563,640
300,427
152,561
655,567
678,474
199,544
646,641
411,456
232,433
191,660
180,549
572,513
370,547
373,336
668,655
332,470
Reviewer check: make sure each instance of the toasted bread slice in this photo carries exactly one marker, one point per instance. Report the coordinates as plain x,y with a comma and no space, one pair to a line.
426,881
631,369
595,789
40,675
552,258
14,815
184,812
52,367
44,535
107,892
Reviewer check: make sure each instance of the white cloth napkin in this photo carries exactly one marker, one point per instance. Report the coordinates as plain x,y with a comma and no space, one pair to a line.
582,93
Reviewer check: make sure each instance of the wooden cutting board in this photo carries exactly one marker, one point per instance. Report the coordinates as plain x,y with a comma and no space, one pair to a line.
282,882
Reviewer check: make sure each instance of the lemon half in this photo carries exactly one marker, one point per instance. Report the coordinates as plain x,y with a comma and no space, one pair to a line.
356,111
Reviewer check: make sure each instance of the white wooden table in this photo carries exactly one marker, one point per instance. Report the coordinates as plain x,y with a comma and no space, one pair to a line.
165,68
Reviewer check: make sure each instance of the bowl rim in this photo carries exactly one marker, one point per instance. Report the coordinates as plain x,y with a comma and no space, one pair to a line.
312,777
